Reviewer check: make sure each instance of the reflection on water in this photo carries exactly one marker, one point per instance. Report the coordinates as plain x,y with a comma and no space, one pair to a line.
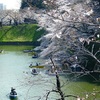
14,99
14,72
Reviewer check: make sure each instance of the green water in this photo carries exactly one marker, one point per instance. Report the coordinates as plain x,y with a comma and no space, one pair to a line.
14,72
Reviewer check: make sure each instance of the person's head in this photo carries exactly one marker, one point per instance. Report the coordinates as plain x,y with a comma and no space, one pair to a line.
12,88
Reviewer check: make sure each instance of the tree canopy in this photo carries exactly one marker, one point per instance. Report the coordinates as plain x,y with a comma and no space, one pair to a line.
72,27
33,3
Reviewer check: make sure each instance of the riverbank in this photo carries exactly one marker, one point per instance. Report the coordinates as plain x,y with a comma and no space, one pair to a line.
21,34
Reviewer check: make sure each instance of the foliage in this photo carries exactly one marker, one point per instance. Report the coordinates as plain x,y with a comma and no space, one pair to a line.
34,3
68,29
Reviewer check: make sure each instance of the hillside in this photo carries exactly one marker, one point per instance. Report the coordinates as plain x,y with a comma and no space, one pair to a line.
20,33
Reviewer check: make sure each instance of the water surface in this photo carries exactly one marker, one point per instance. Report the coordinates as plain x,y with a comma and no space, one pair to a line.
14,72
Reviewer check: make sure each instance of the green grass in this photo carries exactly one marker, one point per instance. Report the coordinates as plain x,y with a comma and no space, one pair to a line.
20,33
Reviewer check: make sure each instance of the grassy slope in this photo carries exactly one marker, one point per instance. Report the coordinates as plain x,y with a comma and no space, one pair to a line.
21,33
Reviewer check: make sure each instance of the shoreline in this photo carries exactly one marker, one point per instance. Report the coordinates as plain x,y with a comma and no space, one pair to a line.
20,43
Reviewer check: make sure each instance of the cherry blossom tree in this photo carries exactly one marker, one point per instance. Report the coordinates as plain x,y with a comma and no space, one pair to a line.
72,31
70,24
